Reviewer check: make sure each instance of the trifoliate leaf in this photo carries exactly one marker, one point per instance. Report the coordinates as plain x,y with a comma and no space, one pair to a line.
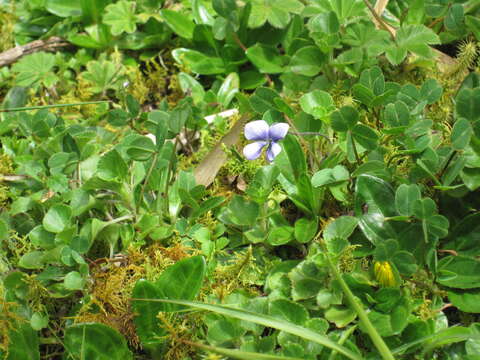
276,12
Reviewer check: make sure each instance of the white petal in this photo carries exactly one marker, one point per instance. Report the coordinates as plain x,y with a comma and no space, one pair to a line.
256,130
254,150
273,150
278,131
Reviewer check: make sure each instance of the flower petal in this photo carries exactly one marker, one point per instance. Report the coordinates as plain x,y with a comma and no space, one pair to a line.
254,150
273,150
256,130
278,131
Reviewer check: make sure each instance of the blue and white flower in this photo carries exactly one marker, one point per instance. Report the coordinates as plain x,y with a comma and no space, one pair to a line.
264,136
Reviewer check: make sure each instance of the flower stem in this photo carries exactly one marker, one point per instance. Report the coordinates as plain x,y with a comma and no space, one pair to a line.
367,324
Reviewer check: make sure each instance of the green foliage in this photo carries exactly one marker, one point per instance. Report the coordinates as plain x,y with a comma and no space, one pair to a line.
359,240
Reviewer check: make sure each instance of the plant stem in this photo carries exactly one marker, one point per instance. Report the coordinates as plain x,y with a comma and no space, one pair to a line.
357,158
306,133
369,328
169,170
380,20
450,158
145,182
342,340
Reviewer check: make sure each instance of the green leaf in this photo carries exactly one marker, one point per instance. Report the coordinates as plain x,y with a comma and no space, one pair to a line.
405,197
146,322
295,156
473,24
465,300
424,208
96,341
269,322
467,104
190,85
431,91
307,61
121,17
23,343
454,20
178,22
201,14
281,235
341,316
32,260
374,201
198,62
344,119
262,99
276,12
330,176
365,136
373,79
289,311
101,74
141,149
340,228
265,58
182,280
326,22
35,69
228,89
74,281
305,229
471,178
111,166
57,218
459,272
412,38
461,134
317,103
224,8
39,321
63,8
92,10
396,114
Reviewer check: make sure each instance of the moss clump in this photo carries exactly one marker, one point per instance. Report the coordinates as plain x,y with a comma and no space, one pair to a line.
114,279
241,272
7,22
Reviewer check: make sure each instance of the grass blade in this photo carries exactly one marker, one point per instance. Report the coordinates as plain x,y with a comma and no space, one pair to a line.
242,355
265,320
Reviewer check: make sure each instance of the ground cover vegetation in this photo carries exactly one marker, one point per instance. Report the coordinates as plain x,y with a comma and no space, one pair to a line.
251,179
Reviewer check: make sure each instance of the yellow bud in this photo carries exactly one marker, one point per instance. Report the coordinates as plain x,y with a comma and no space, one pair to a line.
384,273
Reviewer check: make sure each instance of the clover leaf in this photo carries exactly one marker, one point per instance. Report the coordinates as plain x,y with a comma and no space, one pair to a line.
276,12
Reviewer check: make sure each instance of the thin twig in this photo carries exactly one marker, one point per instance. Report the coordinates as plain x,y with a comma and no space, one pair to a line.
380,20
244,48
304,133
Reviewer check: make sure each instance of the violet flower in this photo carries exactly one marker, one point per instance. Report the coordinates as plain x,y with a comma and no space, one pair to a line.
264,135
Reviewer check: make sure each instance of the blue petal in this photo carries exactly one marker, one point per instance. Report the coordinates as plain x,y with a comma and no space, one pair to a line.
254,150
273,150
256,130
278,131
